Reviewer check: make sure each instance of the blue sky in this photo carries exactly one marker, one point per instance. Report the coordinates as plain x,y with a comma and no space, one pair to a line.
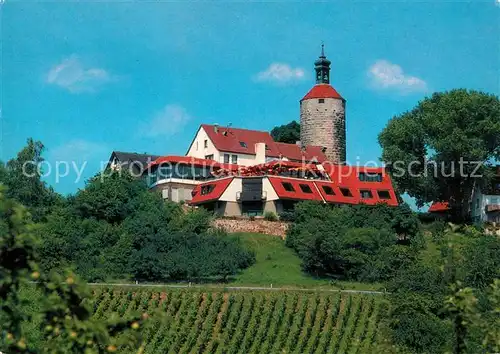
88,78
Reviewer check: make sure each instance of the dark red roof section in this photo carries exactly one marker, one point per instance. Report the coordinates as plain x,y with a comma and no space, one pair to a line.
228,139
294,152
439,207
322,91
194,161
219,186
297,193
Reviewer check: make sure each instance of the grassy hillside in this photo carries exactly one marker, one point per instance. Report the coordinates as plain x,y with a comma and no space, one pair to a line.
195,321
278,265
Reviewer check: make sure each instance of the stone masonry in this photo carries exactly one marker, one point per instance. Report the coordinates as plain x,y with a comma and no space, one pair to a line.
323,124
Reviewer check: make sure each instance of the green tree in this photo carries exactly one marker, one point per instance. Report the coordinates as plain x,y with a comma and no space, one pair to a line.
65,316
425,146
22,176
287,133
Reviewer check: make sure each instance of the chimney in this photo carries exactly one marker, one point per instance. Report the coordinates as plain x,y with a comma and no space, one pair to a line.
216,128
260,153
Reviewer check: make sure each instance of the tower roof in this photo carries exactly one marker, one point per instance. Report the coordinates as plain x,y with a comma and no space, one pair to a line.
322,91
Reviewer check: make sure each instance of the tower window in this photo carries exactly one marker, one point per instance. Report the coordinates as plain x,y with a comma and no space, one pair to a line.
288,187
321,100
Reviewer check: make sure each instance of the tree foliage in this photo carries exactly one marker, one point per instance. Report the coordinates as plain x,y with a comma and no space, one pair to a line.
64,317
22,176
287,133
424,147
353,242
116,228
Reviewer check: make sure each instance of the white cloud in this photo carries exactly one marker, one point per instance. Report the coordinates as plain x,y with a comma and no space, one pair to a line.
385,75
170,120
79,150
73,76
280,73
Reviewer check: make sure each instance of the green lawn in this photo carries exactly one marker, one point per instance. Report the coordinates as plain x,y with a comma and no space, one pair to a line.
278,265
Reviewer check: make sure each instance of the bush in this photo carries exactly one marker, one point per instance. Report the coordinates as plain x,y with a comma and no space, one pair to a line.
270,216
287,216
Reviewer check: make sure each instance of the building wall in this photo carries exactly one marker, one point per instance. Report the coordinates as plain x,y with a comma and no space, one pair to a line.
175,190
478,207
323,124
198,149
234,187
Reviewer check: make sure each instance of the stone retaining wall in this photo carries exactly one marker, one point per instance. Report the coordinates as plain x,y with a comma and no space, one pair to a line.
274,228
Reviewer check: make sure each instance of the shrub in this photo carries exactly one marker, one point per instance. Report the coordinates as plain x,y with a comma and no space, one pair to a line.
287,216
270,216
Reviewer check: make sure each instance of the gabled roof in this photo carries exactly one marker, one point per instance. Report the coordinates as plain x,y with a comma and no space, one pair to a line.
228,139
243,141
322,91
132,158
215,189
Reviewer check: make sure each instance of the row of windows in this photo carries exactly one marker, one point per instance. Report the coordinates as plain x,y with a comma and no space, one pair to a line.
346,192
234,158
370,177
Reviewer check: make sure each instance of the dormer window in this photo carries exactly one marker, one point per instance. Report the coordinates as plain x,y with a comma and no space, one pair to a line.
267,147
243,144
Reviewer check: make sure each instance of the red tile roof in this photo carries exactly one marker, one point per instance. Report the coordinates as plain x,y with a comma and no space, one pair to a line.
438,207
219,186
228,139
297,193
294,152
322,91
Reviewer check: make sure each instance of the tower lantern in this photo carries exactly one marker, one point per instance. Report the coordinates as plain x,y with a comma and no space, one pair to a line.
322,67
322,115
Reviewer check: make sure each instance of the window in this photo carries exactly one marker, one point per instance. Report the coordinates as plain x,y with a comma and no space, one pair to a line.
328,190
243,144
366,194
305,188
384,194
267,147
321,100
209,157
207,189
346,192
205,143
226,158
288,186
370,177
234,159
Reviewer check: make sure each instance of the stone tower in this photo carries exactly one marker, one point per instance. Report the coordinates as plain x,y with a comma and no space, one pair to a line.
322,115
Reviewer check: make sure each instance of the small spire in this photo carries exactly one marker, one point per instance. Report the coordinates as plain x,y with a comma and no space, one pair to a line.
322,49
